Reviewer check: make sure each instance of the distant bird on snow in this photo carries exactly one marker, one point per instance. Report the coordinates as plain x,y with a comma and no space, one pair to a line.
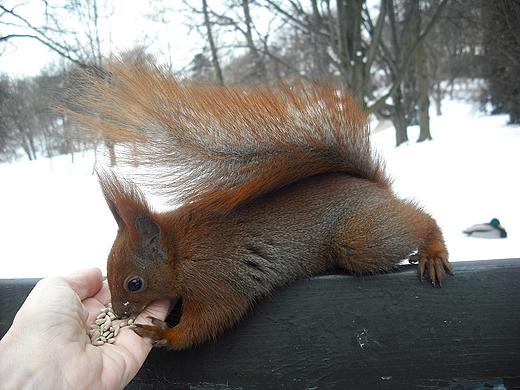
492,229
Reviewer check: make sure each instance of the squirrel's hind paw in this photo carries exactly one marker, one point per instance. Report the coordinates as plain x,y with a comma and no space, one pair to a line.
435,267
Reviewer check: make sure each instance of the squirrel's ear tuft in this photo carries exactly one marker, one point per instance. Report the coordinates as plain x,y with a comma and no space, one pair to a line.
115,213
125,200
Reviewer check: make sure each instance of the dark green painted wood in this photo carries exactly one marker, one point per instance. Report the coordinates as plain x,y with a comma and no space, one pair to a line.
338,331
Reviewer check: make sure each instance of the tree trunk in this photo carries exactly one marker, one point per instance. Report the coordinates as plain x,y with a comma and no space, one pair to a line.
27,151
27,144
260,71
32,146
399,118
423,86
438,93
214,57
320,44
400,71
349,46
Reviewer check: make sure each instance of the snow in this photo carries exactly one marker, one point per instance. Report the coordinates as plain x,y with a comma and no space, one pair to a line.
54,219
468,174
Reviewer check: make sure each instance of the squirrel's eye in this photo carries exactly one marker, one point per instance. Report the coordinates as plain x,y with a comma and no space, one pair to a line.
134,284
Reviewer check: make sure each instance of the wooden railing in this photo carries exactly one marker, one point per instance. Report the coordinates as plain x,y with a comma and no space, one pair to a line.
337,331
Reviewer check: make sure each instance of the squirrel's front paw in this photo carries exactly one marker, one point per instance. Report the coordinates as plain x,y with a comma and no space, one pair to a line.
156,333
436,266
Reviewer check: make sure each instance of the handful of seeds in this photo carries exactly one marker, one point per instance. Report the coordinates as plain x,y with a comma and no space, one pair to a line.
106,327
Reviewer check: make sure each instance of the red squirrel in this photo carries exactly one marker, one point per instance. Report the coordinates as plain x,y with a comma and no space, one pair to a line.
276,183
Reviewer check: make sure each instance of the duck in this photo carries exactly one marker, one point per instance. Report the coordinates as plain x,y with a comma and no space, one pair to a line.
493,229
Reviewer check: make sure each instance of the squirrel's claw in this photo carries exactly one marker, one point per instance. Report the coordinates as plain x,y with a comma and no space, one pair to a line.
157,322
435,266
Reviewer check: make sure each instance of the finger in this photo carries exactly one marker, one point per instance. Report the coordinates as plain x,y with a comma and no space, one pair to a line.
103,295
86,283
158,309
97,302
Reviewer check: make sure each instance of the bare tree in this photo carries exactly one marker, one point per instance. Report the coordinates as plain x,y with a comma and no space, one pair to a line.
258,63
202,69
408,27
211,41
30,121
19,112
232,22
8,140
423,95
501,23
20,27
453,49
70,29
343,38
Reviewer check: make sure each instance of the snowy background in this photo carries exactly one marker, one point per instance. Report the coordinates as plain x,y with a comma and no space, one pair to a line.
54,219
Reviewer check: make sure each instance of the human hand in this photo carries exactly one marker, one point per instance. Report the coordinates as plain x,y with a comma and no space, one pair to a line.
48,346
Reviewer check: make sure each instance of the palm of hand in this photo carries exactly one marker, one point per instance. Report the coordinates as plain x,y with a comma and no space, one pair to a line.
55,320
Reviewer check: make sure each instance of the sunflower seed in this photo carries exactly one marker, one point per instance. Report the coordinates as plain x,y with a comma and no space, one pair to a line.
104,330
94,334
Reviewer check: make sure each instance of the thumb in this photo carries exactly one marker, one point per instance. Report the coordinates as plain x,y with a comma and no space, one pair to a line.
86,283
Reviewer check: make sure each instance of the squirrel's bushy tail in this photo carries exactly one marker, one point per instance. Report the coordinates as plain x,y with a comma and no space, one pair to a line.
222,146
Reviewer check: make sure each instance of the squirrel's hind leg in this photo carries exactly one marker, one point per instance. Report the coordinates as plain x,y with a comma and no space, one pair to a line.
382,236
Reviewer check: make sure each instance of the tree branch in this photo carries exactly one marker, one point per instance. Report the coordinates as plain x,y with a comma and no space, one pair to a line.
49,45
409,57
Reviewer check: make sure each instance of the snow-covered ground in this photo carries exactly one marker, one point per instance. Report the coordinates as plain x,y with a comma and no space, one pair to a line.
468,174
53,218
